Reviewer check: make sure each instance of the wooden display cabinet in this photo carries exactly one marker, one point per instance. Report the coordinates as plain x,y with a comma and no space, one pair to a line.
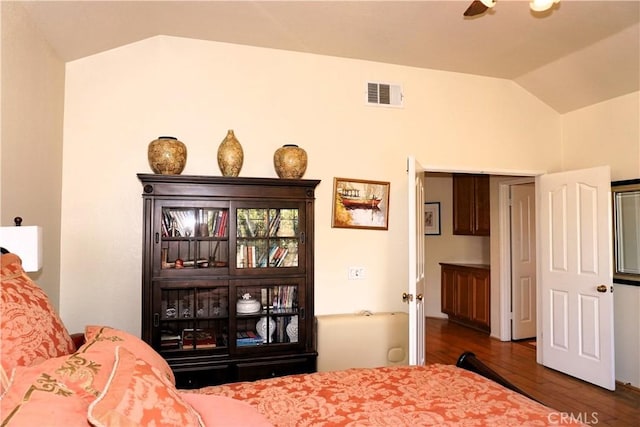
471,205
465,294
209,242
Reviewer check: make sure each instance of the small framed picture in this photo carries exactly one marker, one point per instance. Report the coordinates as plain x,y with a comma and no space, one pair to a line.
432,218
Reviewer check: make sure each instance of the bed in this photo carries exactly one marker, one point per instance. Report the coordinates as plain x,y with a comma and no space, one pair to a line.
435,394
108,377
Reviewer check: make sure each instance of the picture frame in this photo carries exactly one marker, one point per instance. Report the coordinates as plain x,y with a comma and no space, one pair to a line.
432,219
359,203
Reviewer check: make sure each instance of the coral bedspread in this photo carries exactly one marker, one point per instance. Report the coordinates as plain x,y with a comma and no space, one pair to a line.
388,396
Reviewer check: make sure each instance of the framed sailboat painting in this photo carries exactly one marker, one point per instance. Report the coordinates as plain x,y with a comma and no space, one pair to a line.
359,203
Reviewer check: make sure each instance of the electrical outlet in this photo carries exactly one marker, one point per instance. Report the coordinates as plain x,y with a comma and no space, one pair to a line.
355,273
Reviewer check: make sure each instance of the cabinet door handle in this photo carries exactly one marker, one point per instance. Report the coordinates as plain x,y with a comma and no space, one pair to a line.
302,237
156,320
302,313
157,237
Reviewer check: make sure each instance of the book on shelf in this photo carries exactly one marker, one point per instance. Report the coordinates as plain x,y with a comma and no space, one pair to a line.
284,297
274,224
170,341
200,338
277,255
216,222
245,338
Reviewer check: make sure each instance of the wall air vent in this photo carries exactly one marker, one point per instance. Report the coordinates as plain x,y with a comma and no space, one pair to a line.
384,94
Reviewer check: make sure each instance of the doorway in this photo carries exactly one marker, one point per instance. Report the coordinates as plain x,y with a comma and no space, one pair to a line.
494,250
523,261
575,316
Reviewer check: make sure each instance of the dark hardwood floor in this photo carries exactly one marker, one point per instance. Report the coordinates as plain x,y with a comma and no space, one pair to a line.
446,341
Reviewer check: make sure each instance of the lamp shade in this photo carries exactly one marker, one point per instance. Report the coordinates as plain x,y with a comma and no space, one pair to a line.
542,5
26,242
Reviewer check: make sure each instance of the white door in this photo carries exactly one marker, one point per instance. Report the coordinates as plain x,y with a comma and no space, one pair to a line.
415,295
523,261
575,274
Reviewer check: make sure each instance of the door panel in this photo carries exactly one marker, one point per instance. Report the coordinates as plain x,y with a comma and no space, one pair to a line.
523,262
416,292
575,259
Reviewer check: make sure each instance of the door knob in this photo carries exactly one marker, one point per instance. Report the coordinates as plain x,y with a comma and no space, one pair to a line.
602,288
419,297
407,297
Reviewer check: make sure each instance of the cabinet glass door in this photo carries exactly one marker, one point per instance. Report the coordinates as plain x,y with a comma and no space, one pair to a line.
268,238
191,318
268,315
192,238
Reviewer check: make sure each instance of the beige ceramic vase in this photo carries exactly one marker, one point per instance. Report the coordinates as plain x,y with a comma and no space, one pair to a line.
230,155
167,155
290,161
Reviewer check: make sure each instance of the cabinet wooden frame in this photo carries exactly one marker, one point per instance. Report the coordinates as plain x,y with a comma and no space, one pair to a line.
465,294
201,291
471,205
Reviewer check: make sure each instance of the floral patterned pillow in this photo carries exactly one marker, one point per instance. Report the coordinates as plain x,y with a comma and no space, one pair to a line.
137,394
57,391
100,337
104,386
31,330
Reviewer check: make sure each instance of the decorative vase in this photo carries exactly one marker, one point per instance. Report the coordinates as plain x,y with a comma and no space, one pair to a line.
266,333
167,155
290,161
230,155
292,329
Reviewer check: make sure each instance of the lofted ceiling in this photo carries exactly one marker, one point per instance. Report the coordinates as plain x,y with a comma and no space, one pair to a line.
578,54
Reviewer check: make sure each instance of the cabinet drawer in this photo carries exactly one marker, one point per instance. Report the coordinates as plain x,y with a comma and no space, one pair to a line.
250,371
187,378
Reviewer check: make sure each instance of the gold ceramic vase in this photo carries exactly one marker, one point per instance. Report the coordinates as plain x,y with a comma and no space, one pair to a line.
167,155
290,161
230,155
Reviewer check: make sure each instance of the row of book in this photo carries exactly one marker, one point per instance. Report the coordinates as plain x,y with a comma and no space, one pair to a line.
251,256
255,227
284,297
183,223
217,223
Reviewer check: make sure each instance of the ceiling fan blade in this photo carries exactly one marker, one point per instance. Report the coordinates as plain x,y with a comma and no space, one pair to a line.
476,8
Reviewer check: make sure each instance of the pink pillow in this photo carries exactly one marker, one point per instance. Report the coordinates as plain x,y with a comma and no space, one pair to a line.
101,337
137,394
57,391
224,411
31,330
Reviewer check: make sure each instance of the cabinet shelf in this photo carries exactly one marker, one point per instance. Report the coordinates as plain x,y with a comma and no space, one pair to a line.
208,241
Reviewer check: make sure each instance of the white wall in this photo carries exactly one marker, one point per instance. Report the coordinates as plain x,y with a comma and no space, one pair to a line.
118,101
31,138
